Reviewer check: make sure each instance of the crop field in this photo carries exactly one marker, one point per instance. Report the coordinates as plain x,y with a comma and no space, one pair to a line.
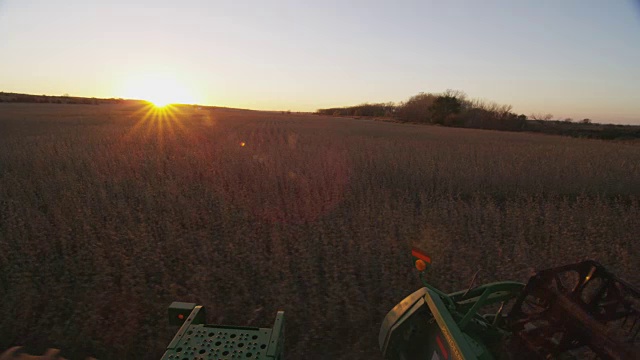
109,213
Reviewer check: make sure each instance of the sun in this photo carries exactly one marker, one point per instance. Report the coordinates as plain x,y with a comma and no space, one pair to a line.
159,103
160,89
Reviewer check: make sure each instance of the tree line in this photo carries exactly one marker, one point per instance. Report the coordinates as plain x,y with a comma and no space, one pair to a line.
375,110
47,99
453,108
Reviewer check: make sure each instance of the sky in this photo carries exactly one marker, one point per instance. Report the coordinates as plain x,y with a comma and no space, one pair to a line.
578,59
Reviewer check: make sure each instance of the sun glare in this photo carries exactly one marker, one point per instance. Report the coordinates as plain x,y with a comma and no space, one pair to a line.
158,89
159,103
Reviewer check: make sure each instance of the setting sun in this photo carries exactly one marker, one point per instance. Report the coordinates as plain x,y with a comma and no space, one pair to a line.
159,89
159,103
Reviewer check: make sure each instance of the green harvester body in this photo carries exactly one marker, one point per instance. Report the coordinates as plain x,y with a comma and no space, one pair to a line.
573,311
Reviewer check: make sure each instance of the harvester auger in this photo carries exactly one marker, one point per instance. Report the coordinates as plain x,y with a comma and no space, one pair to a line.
574,311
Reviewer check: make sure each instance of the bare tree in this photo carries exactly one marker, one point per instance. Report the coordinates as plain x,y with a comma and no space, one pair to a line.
416,109
540,116
458,94
497,110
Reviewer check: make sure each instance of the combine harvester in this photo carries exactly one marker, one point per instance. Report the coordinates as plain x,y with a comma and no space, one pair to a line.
578,311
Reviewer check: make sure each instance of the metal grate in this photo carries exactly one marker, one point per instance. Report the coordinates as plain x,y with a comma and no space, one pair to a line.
214,342
198,341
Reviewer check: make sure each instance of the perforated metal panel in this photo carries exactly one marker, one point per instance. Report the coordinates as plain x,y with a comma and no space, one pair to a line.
204,342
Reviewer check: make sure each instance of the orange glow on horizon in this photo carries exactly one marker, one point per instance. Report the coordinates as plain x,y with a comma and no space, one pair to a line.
160,89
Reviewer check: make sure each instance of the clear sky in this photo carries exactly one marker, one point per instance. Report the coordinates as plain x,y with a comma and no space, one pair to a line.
570,58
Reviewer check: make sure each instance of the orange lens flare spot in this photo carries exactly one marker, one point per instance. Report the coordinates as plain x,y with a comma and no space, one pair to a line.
419,254
180,316
421,265
243,143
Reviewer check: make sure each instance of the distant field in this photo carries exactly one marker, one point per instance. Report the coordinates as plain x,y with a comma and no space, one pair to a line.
108,214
